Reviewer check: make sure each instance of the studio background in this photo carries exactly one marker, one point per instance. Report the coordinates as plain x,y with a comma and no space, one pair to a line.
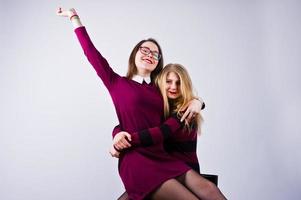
56,116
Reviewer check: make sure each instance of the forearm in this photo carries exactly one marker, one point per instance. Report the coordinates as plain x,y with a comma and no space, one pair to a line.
158,134
76,22
99,63
146,137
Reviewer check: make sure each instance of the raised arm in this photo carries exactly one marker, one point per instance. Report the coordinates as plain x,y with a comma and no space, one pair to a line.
100,64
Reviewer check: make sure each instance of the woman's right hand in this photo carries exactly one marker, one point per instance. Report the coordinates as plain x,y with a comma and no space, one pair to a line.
71,14
121,140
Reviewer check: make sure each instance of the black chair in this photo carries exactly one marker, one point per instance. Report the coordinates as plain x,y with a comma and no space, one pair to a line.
211,177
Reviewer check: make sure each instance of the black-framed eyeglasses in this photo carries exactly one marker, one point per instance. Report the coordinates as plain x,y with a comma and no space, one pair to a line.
146,51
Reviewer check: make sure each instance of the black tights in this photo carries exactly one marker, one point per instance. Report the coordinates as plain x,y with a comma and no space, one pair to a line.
124,196
190,186
172,189
201,187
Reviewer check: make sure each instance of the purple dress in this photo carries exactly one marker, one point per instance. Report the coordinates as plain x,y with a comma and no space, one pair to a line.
178,142
138,106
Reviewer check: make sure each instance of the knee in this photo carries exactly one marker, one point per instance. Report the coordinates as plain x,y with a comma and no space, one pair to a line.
210,186
213,192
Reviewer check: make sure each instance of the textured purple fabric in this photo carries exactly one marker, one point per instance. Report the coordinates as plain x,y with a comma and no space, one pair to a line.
182,145
138,106
179,143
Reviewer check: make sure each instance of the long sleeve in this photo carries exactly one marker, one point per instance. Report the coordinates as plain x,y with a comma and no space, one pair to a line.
116,130
156,135
100,64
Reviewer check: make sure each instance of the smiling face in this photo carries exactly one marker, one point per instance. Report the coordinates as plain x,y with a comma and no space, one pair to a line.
172,86
144,58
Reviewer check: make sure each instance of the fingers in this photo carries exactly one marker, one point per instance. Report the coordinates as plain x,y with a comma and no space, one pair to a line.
194,107
185,115
61,12
121,140
188,115
65,13
125,143
114,153
73,11
58,10
184,107
122,144
128,136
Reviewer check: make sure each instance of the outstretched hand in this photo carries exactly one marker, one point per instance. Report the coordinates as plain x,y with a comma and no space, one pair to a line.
66,13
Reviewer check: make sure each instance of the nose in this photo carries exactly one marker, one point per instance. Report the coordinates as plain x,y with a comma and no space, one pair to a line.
150,55
173,86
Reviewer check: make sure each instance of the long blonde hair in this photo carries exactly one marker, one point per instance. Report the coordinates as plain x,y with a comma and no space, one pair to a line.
186,96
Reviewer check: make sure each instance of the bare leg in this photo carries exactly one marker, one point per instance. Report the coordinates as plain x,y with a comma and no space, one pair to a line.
172,189
124,196
200,186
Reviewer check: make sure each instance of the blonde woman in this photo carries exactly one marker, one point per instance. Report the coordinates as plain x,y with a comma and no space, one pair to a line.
179,139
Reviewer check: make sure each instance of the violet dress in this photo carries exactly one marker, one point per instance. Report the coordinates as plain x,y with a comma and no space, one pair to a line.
138,106
179,143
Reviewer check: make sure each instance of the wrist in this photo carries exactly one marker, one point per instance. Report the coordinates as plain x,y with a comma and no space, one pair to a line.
74,16
201,101
116,149
72,13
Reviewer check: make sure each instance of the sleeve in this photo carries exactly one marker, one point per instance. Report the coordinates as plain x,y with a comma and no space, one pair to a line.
155,135
116,130
203,106
99,63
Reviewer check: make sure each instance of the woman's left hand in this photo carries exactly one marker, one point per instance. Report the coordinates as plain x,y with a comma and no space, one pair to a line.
66,13
193,108
122,140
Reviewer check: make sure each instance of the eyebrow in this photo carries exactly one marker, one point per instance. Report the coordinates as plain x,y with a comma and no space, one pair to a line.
169,79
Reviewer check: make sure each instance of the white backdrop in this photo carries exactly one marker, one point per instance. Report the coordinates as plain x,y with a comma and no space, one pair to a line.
56,116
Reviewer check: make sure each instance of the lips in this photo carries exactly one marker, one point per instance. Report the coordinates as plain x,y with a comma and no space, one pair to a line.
172,93
149,61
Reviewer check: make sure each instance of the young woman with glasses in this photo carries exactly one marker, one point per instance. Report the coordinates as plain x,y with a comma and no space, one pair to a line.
138,106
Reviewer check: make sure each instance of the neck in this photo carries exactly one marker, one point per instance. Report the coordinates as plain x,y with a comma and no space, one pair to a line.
144,73
171,103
